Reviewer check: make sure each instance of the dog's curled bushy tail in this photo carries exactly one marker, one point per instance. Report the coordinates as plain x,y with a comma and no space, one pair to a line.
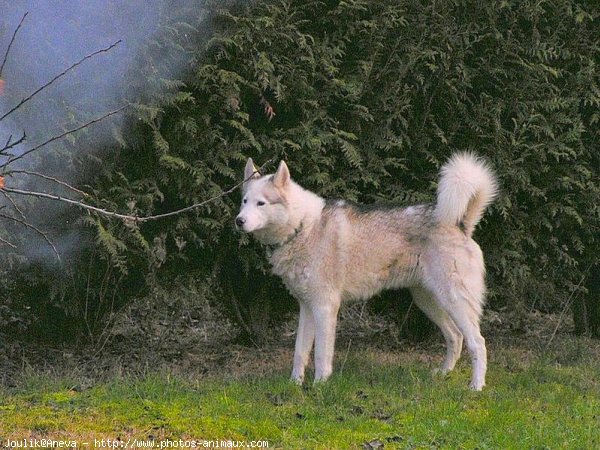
467,186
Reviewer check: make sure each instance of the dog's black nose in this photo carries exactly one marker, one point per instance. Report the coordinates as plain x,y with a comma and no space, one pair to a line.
240,221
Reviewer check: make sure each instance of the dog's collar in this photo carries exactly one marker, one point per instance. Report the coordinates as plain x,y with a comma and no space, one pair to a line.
288,240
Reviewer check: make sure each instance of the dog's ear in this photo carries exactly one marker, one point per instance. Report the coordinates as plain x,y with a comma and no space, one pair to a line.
282,176
251,171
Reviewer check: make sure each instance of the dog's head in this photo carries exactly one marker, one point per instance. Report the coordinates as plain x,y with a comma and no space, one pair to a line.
264,203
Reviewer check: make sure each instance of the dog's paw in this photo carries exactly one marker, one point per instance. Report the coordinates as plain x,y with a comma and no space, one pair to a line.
320,380
297,380
476,386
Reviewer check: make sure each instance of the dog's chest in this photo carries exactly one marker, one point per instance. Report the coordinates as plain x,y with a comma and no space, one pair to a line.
295,270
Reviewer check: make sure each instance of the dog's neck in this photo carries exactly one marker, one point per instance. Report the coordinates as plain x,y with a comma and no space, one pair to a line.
291,237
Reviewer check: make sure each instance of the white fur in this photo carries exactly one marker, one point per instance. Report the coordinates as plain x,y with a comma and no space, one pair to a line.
466,188
327,253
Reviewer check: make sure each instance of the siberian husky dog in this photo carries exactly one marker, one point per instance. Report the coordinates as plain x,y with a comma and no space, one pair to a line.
328,251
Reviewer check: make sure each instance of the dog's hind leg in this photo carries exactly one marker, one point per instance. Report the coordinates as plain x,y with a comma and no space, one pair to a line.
305,337
325,312
476,346
454,338
465,311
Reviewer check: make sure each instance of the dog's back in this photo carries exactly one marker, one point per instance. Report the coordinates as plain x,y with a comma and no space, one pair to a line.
373,248
363,249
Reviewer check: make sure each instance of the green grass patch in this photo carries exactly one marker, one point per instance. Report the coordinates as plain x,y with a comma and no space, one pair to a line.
538,405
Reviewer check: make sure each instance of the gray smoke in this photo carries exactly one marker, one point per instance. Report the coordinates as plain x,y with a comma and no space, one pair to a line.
56,34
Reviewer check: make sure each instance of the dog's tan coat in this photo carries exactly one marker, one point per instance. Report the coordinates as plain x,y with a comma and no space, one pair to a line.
327,252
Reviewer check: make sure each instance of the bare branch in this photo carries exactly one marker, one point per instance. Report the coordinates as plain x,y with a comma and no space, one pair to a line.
62,135
5,242
37,230
63,73
128,217
49,178
9,145
12,202
71,202
11,42
212,199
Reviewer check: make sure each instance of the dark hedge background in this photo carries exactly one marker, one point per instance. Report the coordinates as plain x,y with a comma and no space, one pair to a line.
370,98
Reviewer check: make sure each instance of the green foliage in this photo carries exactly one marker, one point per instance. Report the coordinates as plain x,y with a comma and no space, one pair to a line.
370,98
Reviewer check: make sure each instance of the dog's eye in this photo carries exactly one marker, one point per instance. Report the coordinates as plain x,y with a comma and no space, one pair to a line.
245,201
261,203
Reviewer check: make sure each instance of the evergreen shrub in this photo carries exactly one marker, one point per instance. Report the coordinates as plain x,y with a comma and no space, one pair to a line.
369,99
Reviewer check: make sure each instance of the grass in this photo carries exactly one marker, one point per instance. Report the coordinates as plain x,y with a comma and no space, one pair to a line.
377,399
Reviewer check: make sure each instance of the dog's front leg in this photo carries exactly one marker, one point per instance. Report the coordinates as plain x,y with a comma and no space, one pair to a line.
305,337
325,312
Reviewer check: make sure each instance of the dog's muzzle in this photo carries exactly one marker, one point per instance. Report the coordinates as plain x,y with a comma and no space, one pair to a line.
240,221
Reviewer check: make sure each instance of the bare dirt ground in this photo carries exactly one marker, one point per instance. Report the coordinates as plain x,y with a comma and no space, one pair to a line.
181,344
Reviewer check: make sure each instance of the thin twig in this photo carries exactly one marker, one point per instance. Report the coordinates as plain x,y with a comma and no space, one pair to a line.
128,217
11,42
345,357
62,135
71,202
5,242
10,145
63,73
405,319
10,199
212,199
37,230
568,305
49,178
